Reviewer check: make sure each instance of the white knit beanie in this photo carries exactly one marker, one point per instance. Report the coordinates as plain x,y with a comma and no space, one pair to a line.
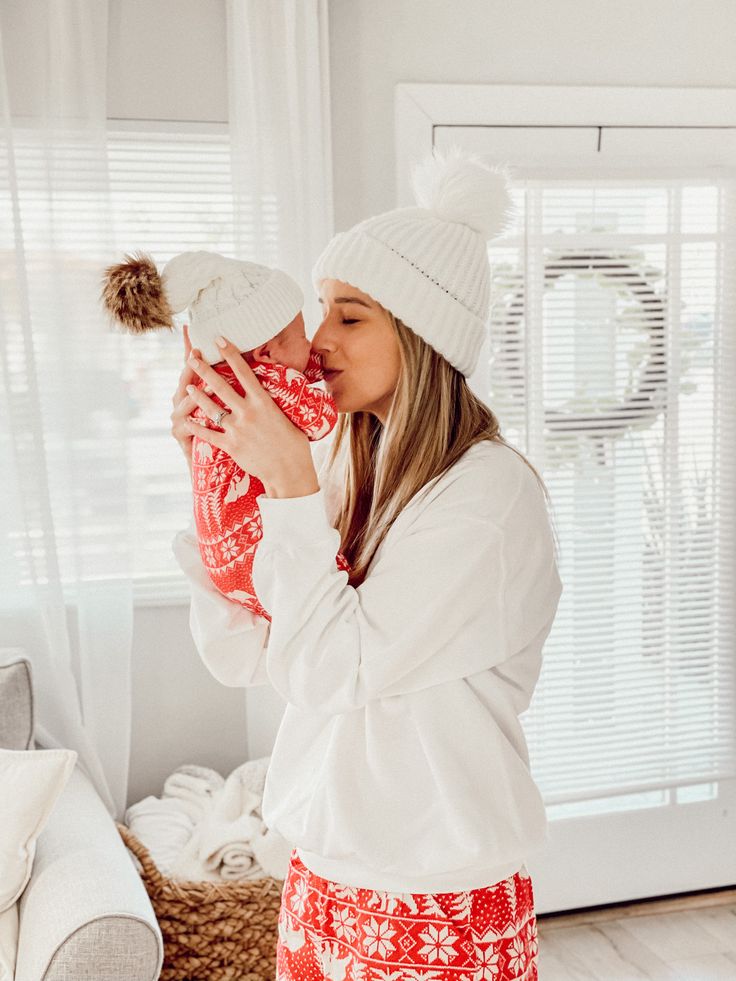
246,302
429,264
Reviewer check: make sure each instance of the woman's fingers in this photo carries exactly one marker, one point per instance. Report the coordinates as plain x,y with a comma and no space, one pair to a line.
242,370
204,432
180,429
183,407
217,384
183,403
179,416
208,405
187,376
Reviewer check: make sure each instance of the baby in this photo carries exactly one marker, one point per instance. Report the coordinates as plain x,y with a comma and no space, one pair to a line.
256,308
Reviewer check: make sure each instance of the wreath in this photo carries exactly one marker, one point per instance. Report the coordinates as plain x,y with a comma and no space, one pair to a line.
644,398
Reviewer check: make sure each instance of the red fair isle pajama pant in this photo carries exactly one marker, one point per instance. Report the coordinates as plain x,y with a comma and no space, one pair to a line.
337,932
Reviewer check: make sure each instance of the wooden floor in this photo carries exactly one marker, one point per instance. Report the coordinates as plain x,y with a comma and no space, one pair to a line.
685,938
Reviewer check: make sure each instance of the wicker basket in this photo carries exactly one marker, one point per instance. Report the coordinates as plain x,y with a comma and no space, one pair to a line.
212,931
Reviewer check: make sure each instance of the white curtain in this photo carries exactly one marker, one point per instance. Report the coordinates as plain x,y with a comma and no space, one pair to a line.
66,594
279,115
281,162
68,410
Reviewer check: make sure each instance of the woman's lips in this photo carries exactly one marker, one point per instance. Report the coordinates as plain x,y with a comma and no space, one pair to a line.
329,375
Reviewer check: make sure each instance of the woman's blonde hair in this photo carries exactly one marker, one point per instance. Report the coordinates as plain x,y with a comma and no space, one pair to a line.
434,418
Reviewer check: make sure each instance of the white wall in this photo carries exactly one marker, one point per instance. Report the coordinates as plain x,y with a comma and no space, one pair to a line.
180,713
167,60
557,42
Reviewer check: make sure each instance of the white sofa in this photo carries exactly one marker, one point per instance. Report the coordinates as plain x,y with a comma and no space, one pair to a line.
85,913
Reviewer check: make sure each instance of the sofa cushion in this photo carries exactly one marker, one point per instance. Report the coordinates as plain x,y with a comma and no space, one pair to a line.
8,942
86,914
16,700
31,781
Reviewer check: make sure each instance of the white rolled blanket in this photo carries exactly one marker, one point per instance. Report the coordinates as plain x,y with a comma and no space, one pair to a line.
194,786
231,841
164,827
206,827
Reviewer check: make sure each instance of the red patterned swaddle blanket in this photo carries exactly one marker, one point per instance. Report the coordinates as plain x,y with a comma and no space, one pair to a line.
226,513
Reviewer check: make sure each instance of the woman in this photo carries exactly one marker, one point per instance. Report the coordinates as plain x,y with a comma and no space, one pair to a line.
400,769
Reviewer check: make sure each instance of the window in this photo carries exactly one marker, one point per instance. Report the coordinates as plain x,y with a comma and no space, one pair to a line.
170,191
609,340
610,360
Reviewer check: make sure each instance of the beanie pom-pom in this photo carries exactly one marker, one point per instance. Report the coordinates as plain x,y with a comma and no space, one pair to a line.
460,186
133,295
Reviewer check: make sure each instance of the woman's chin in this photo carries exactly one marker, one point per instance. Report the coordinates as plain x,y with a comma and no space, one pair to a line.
342,404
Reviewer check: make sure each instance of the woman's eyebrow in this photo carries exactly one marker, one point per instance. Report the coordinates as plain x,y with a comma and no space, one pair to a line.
347,299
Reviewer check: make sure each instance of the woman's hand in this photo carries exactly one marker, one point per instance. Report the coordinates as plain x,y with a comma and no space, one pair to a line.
256,433
184,404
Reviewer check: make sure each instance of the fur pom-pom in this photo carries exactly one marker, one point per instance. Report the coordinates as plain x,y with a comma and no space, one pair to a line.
460,186
133,295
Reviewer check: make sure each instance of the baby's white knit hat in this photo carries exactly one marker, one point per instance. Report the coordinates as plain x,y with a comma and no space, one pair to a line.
246,302
429,264
243,300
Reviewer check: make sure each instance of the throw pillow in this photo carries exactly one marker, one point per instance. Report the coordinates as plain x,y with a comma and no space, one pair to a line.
31,781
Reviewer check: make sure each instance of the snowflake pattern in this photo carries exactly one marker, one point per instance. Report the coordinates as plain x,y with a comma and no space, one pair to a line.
518,955
439,943
377,937
489,965
228,549
299,896
532,939
344,923
336,931
226,512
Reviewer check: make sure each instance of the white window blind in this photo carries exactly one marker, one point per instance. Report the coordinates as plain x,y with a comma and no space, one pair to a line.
612,361
170,191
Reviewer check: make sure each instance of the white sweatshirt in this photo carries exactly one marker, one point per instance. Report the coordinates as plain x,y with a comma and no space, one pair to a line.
400,763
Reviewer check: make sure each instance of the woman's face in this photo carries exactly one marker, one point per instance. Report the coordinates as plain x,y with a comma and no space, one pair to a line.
357,342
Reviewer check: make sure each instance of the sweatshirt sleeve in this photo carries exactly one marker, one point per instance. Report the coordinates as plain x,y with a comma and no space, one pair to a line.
436,605
230,640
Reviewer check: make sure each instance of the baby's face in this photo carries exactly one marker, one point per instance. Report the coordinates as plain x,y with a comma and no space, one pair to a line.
289,347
